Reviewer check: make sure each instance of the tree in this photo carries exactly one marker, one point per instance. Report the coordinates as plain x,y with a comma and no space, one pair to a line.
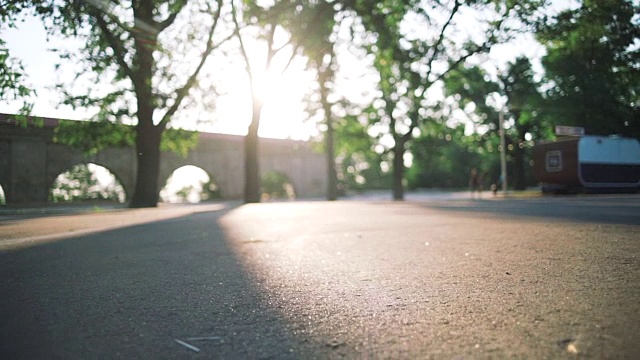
323,65
443,157
12,86
592,67
523,107
411,63
317,23
267,21
147,55
362,164
309,25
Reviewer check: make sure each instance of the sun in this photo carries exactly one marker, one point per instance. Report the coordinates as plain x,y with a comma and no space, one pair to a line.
284,114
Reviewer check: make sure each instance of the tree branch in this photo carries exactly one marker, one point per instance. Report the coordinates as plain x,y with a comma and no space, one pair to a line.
436,50
172,17
116,44
243,49
184,90
293,55
271,51
484,47
106,9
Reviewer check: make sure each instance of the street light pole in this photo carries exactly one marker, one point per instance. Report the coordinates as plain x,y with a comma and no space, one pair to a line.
503,153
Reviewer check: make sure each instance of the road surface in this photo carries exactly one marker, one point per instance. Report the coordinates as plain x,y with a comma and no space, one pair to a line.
544,277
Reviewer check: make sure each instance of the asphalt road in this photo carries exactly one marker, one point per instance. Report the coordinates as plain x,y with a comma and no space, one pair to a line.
450,278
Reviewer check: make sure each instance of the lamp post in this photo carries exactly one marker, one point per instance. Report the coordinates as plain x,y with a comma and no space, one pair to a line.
503,152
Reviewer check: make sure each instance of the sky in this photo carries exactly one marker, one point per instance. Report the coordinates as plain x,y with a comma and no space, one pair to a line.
283,115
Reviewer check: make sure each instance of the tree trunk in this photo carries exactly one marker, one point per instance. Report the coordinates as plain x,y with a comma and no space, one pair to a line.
332,181
398,170
148,157
519,182
148,135
332,177
251,153
518,168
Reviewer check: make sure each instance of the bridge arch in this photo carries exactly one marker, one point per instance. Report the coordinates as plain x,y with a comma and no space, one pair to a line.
3,196
277,185
119,161
102,179
190,183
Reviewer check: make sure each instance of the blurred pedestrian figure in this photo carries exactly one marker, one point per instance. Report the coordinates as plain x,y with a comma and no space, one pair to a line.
496,186
475,181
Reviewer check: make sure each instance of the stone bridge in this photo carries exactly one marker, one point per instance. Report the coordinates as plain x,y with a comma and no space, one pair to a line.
30,162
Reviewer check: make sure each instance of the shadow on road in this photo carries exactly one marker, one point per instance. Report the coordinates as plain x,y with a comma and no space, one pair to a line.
622,210
132,291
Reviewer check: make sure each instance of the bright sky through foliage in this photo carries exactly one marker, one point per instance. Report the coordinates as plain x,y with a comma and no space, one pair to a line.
284,113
